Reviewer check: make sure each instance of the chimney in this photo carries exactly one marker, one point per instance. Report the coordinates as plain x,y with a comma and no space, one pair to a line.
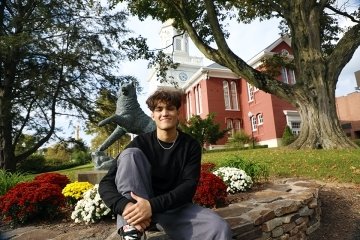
357,77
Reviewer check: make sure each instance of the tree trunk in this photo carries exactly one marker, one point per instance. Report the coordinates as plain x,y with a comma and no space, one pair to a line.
320,127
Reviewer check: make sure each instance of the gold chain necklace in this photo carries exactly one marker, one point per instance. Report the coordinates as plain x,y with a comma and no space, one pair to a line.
167,148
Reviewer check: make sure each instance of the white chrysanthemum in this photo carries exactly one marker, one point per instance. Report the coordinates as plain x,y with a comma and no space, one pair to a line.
91,208
235,179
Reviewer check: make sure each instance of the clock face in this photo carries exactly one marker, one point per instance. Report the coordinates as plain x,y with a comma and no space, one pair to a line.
183,76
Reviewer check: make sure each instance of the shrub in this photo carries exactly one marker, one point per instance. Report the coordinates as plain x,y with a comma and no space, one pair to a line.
288,136
211,190
30,200
81,157
238,140
256,171
91,208
33,164
54,178
235,179
75,191
8,180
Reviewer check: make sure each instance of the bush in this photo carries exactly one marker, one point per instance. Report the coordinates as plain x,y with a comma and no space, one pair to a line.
238,140
8,180
75,191
288,136
80,157
235,179
256,171
211,191
31,200
33,164
54,178
91,208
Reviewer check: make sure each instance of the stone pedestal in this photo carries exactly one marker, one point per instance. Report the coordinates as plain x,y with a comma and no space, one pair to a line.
93,176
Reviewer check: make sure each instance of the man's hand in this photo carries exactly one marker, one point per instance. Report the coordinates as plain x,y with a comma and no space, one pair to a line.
138,214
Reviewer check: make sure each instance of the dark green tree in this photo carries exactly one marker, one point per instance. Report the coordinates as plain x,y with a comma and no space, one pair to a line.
320,52
54,55
203,130
288,137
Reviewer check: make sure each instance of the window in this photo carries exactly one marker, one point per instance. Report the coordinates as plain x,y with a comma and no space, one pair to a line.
178,44
226,95
295,127
229,123
253,123
234,98
197,93
260,119
250,92
295,124
188,105
199,98
237,125
288,75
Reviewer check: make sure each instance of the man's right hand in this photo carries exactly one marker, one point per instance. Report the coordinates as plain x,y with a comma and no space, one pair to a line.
141,226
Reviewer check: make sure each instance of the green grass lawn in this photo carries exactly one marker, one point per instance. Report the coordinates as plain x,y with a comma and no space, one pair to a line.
326,165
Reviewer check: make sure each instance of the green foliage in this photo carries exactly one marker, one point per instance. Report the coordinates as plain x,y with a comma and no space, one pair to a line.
203,130
288,137
357,142
56,54
33,164
238,140
8,180
81,157
257,171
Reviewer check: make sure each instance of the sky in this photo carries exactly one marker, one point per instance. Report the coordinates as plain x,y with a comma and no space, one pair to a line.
246,40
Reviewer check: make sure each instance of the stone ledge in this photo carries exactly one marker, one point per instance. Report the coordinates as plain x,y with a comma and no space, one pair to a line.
286,210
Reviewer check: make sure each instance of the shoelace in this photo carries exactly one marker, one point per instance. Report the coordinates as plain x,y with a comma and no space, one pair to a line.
133,235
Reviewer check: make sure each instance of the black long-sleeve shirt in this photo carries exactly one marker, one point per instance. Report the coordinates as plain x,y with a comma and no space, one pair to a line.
175,173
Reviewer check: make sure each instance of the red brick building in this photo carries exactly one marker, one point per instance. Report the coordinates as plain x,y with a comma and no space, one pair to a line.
236,104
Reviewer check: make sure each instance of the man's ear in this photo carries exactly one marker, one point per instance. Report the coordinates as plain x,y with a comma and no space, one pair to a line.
152,116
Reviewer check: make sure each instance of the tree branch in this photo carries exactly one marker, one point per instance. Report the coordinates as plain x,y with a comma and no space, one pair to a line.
345,14
215,26
343,52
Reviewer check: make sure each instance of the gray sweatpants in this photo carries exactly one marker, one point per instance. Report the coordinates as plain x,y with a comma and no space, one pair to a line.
188,222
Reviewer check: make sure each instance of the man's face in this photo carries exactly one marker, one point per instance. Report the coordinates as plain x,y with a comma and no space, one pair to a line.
165,116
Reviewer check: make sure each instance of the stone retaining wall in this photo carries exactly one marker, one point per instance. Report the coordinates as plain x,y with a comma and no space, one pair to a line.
286,210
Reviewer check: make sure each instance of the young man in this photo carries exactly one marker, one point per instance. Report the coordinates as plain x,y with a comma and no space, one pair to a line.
154,180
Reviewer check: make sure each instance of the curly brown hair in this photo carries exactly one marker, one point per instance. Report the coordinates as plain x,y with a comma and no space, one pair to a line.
169,96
